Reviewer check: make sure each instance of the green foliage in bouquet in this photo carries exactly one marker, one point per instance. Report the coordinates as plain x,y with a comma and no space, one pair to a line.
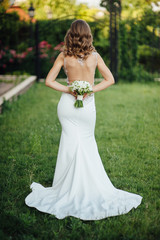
78,103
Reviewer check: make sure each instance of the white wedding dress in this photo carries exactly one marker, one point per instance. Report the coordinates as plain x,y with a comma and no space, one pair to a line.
81,187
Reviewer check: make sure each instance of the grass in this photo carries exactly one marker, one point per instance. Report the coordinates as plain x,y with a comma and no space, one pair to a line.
127,135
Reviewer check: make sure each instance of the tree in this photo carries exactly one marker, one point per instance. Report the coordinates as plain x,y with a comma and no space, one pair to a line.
60,9
3,6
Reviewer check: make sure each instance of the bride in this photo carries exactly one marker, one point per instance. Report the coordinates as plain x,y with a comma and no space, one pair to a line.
81,187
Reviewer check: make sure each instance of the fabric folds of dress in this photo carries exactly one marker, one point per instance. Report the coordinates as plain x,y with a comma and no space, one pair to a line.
81,187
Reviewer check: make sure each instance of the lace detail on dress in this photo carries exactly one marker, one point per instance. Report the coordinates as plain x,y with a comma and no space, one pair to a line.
81,61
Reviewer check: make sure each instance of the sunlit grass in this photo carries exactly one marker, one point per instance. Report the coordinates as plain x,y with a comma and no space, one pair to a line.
127,135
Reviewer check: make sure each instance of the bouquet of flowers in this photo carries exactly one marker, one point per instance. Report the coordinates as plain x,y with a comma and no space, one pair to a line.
80,87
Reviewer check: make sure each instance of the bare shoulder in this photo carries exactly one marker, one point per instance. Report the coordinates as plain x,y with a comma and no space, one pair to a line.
100,60
60,59
61,55
98,55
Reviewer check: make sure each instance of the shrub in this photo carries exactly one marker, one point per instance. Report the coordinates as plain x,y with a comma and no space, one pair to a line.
12,61
149,57
137,74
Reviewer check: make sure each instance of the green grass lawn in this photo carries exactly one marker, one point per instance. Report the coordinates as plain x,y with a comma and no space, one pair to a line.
127,134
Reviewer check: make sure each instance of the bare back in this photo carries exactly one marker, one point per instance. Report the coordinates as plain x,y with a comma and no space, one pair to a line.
83,70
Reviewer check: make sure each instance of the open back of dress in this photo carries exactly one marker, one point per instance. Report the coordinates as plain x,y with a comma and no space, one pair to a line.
79,69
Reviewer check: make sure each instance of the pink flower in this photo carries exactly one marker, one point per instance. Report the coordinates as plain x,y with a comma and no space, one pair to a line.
11,60
43,44
44,55
30,49
43,50
13,52
2,52
4,65
59,46
49,46
0,56
23,55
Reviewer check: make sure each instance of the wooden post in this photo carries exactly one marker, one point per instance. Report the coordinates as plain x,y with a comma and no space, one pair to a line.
114,7
37,58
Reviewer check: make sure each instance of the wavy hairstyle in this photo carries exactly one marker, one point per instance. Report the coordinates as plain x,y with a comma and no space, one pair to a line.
78,40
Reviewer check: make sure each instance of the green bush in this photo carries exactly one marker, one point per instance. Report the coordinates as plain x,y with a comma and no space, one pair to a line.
12,61
149,57
137,74
13,31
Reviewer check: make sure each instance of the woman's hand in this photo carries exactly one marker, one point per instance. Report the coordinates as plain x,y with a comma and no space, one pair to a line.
85,95
73,94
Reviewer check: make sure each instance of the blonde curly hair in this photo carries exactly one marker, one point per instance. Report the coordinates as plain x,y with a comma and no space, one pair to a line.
78,40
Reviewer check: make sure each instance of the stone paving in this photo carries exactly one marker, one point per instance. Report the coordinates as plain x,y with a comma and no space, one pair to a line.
8,82
4,87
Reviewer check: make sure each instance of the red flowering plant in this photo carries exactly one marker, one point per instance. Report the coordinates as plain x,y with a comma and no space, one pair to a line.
48,54
45,49
10,59
7,57
48,51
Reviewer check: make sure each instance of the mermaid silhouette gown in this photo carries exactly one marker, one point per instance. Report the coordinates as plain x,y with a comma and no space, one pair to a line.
81,187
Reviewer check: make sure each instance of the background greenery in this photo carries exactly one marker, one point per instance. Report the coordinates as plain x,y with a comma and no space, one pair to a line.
139,37
127,135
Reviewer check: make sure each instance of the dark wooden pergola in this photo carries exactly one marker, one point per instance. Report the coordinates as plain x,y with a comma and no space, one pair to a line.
114,8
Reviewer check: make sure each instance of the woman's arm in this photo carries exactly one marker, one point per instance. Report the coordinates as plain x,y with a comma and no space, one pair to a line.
107,75
50,79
